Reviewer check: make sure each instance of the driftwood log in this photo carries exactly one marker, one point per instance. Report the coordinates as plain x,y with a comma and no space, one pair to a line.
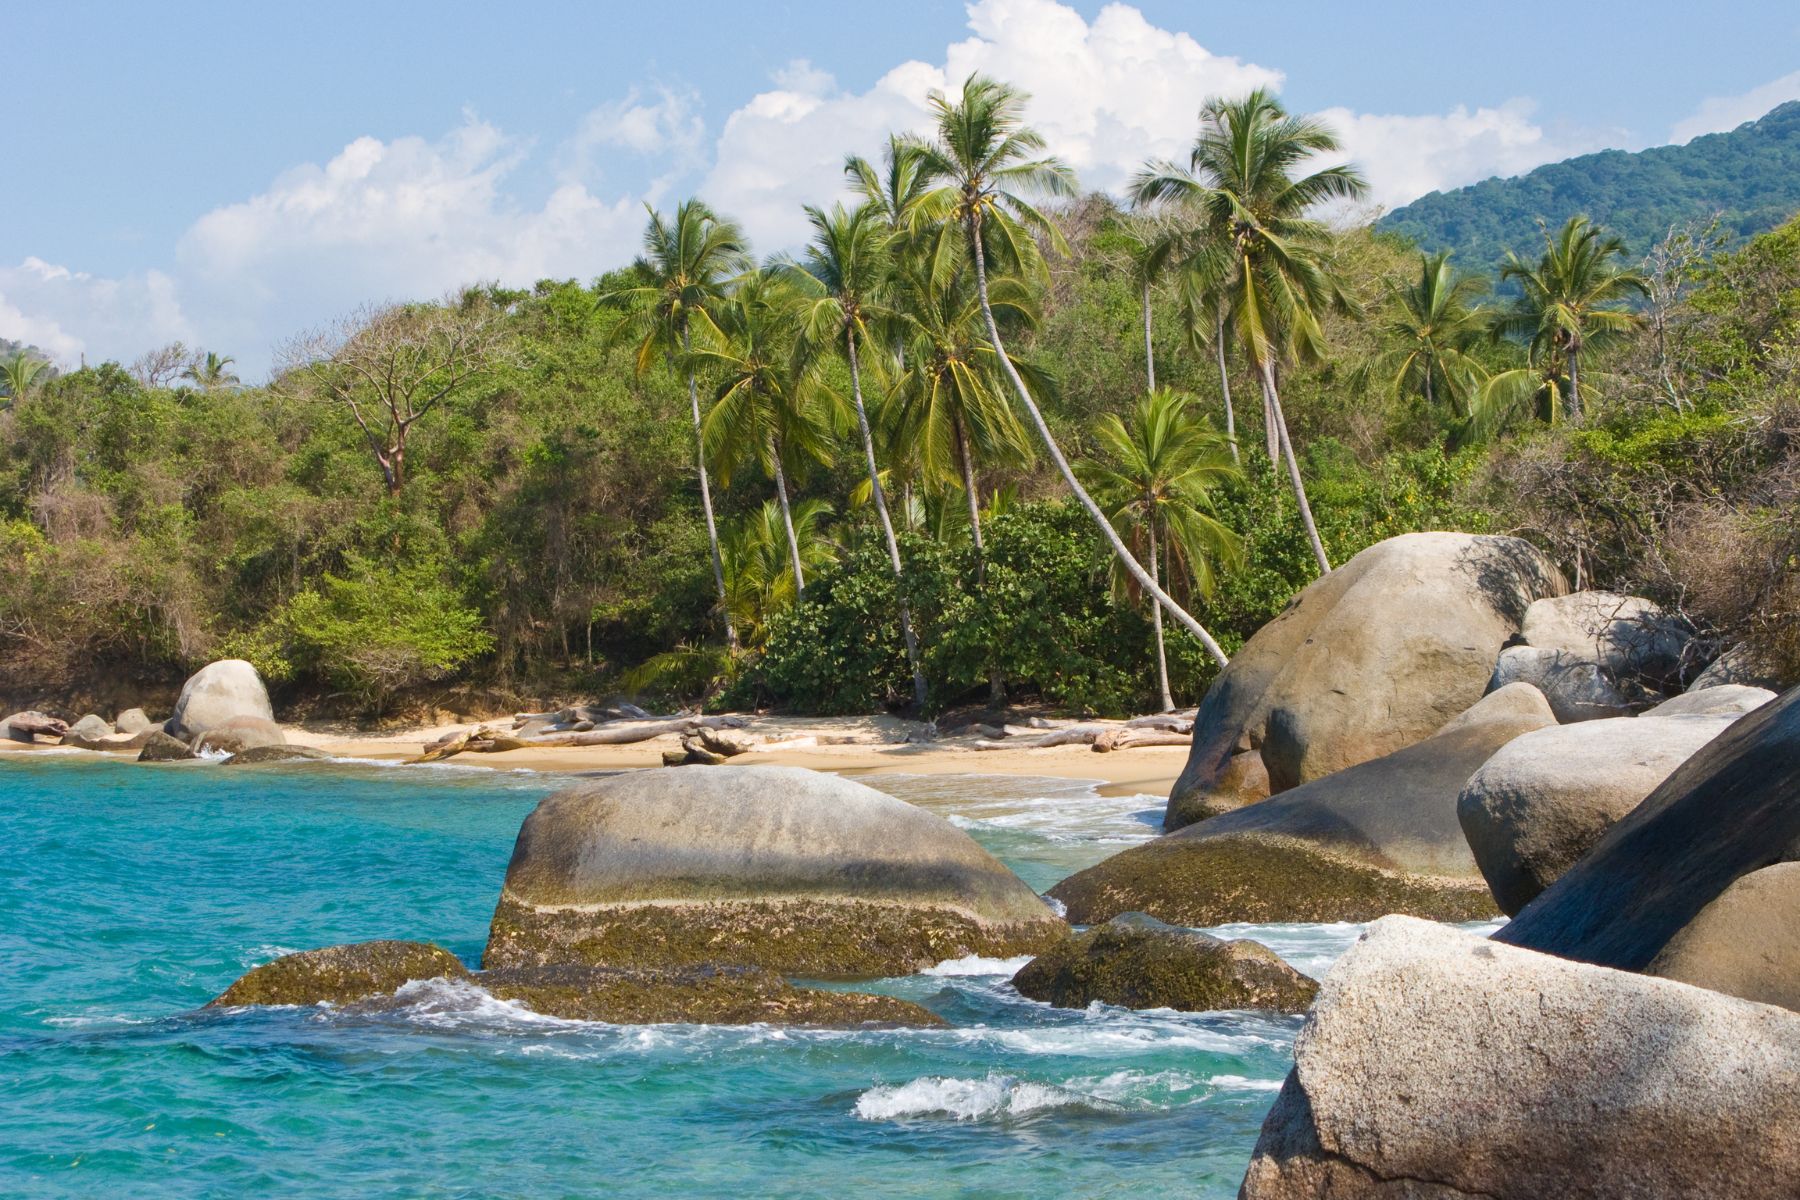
1126,738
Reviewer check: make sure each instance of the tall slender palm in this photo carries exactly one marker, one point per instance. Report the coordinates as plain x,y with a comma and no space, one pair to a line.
948,403
686,264
1571,299
1432,326
19,373
987,159
1156,488
1151,244
763,410
211,372
846,270
1266,252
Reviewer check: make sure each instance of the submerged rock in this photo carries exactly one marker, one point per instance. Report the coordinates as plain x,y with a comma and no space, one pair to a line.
1378,838
698,995
801,872
342,974
216,693
1137,961
1368,660
1731,809
275,754
1438,1065
1745,943
160,747
238,734
1545,799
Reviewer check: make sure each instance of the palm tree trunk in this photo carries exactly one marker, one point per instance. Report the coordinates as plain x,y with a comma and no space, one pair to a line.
1131,564
1272,401
964,458
1225,386
787,520
887,525
1574,405
1149,348
712,526
1271,435
1156,622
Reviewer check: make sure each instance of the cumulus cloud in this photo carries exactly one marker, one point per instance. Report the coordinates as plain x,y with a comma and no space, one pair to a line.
1719,113
69,314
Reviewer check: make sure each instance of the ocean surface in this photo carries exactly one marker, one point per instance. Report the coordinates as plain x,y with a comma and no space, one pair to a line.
130,896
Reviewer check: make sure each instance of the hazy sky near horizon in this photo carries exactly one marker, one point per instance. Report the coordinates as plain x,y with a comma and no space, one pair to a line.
229,175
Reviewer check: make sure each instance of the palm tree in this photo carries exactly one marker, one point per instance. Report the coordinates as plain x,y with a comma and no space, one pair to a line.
1433,326
986,159
846,270
947,404
210,372
686,263
1264,252
1150,245
759,572
1156,490
19,373
1571,299
763,409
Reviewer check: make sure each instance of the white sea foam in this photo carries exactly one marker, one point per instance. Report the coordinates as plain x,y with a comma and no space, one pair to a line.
458,1003
1245,1084
1003,1097
1059,810
1313,949
975,964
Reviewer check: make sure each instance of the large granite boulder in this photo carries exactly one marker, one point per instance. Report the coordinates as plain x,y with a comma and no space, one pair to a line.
702,995
1578,689
1731,809
1544,799
1136,961
1634,640
800,872
341,974
133,721
1377,838
1367,660
216,693
89,730
31,725
1745,943
238,734
1740,665
1437,1065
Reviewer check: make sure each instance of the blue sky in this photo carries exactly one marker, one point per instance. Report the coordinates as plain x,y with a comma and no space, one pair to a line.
233,174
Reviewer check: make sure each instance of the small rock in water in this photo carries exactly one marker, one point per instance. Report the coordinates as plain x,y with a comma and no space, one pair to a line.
275,754
342,974
1137,961
160,747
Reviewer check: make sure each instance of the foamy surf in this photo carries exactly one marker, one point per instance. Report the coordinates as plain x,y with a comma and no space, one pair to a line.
975,964
999,1097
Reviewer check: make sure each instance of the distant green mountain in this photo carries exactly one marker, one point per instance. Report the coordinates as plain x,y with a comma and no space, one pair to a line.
1750,176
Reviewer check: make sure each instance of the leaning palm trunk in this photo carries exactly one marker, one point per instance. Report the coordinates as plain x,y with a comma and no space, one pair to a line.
1271,435
1272,401
1149,347
1130,563
1225,386
1156,622
712,528
787,520
887,525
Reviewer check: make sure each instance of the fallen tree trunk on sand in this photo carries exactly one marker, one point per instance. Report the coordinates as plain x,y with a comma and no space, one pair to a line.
487,740
1128,738
1074,735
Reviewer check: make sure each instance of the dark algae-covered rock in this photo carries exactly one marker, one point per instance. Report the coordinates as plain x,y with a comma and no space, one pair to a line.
698,995
800,872
1380,837
275,754
1138,962
161,747
342,974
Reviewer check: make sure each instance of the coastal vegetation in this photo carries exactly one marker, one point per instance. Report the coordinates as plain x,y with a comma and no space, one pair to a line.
981,439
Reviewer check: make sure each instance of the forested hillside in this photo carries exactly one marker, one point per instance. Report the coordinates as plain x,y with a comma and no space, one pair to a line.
1748,177
479,503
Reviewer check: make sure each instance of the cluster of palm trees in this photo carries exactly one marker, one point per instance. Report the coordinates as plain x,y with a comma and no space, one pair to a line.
894,322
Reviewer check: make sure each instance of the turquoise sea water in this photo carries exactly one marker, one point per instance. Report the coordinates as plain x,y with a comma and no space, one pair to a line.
130,895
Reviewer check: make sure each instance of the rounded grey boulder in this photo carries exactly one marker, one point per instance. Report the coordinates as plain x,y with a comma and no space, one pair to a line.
801,872
1545,799
1437,1065
216,693
238,734
1746,942
1368,660
133,721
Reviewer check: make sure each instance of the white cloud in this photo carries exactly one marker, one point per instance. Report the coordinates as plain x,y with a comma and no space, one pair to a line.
68,314
1719,113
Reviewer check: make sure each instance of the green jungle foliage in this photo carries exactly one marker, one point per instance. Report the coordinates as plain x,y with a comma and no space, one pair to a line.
525,519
